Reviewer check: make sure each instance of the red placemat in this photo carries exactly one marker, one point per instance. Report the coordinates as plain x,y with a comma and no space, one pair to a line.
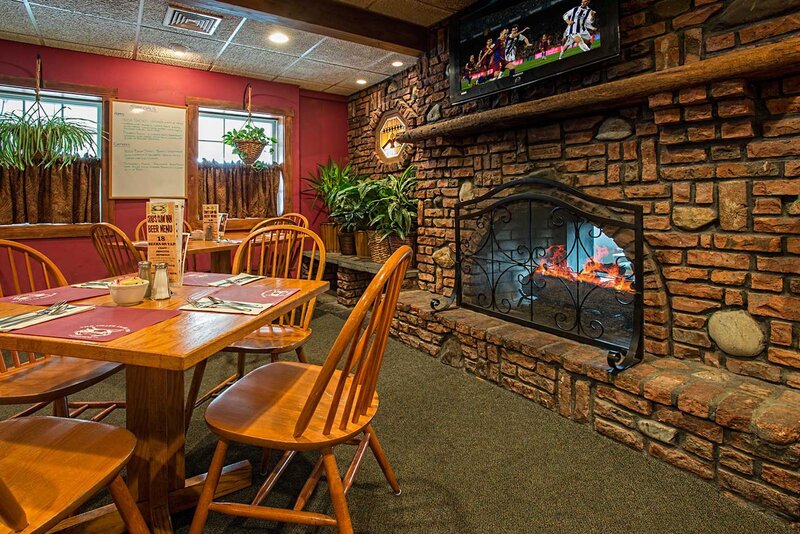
103,323
203,279
255,294
46,297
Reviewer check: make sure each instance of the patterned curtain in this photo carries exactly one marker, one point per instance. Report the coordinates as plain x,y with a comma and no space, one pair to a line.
69,194
239,189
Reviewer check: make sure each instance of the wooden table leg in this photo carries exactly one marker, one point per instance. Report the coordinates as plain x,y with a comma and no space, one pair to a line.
221,261
155,416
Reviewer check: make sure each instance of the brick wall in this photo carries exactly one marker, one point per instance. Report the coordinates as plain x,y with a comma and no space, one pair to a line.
715,168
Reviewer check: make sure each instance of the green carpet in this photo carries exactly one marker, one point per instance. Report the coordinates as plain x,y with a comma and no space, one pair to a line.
472,458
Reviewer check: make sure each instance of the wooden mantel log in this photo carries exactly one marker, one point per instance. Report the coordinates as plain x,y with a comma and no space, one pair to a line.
772,59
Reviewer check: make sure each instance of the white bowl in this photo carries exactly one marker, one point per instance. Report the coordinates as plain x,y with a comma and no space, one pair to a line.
128,295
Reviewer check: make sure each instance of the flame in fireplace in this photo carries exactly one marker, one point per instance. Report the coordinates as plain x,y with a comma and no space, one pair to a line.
554,263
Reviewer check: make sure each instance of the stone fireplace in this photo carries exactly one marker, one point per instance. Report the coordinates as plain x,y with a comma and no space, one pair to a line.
714,169
536,252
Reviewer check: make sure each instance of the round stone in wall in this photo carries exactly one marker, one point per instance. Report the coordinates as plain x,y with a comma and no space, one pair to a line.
614,129
736,333
444,258
451,353
466,191
434,114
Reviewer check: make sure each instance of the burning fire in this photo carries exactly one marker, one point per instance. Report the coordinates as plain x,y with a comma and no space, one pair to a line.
593,272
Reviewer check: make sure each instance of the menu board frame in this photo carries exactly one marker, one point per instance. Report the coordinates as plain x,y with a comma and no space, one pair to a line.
144,193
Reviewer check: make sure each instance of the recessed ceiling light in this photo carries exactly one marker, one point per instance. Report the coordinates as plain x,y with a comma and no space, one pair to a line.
397,63
278,37
361,82
178,49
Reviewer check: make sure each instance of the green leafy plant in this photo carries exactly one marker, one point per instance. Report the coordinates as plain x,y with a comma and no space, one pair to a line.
249,132
392,206
331,178
350,208
36,138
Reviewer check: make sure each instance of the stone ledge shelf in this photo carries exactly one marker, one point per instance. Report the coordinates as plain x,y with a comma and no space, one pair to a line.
748,63
739,432
355,263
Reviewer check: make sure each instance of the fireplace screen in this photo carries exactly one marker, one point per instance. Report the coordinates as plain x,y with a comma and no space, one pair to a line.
539,253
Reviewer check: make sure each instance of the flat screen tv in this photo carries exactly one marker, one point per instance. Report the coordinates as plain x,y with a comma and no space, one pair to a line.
500,44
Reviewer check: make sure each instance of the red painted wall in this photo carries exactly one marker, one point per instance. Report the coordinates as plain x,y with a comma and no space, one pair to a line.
320,121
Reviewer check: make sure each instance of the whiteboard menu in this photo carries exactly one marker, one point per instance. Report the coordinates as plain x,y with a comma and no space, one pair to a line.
148,150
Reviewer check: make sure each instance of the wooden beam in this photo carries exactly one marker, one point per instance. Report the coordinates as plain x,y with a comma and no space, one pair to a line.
772,59
328,18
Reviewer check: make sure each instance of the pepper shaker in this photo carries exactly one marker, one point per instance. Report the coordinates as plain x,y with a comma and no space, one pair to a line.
146,274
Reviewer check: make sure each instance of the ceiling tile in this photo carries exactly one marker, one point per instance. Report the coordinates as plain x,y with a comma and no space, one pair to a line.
168,60
450,5
415,12
304,84
156,10
157,43
358,3
20,37
345,53
119,10
128,54
341,90
246,59
384,64
256,34
60,25
15,19
318,72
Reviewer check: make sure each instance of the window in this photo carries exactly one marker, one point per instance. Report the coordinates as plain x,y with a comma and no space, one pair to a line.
88,108
212,125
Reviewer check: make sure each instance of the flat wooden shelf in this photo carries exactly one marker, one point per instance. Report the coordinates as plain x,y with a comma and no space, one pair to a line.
355,263
749,63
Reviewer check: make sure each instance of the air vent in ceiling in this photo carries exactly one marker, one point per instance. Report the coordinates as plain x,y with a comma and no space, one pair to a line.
183,19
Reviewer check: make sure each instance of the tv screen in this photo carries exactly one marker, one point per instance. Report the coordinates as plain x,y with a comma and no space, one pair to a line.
501,44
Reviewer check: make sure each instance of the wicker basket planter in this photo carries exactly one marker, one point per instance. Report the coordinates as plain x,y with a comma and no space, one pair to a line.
250,150
329,232
362,244
347,243
410,240
379,250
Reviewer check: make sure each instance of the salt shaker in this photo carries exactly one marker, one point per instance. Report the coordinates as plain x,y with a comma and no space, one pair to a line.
160,282
146,274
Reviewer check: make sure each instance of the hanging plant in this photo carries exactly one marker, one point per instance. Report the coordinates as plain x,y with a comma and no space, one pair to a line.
38,138
249,142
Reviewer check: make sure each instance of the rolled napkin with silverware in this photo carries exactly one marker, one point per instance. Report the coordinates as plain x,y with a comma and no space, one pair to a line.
56,311
215,304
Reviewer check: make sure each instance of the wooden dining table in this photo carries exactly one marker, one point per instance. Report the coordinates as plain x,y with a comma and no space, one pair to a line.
220,251
156,359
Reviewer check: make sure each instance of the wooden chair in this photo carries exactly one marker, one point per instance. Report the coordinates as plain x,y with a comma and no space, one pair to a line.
277,252
50,466
30,378
140,234
295,406
292,219
115,249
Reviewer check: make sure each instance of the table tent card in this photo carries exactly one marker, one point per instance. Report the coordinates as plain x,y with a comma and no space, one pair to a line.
211,222
165,236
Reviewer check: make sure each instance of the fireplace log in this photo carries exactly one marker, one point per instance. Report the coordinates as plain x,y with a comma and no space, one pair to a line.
757,62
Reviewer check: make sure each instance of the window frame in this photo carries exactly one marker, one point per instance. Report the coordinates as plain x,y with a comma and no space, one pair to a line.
107,205
284,117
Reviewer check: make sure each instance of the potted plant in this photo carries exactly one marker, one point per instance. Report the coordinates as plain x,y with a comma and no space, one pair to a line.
38,138
331,178
393,212
249,142
350,208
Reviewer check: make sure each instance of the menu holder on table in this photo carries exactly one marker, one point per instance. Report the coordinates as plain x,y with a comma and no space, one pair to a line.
211,222
46,297
37,317
103,323
165,237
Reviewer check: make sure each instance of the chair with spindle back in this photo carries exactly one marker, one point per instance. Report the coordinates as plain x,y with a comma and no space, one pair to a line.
302,407
50,466
276,252
292,219
115,249
140,234
30,378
